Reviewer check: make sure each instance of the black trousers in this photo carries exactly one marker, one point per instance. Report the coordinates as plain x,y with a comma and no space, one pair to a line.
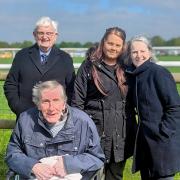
146,175
114,171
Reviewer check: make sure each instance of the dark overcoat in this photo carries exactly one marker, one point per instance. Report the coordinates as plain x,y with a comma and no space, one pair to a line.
158,107
115,122
27,70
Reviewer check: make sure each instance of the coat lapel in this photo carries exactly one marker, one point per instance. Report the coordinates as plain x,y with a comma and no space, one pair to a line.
35,57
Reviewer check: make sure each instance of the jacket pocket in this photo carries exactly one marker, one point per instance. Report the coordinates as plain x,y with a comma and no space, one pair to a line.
68,148
34,147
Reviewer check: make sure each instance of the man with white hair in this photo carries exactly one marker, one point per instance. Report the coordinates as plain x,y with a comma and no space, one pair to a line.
54,139
41,62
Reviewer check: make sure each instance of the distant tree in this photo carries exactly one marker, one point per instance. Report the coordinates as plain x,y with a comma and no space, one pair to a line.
77,45
88,44
4,44
173,42
158,41
26,44
15,45
64,44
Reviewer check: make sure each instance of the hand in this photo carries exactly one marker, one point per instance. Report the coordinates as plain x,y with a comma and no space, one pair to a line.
59,167
43,171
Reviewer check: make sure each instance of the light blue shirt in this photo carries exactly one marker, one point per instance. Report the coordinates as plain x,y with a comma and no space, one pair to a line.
41,53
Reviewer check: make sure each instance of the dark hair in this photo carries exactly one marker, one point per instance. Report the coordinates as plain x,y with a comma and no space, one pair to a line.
91,51
98,55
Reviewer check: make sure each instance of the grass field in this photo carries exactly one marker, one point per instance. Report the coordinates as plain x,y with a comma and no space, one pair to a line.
5,114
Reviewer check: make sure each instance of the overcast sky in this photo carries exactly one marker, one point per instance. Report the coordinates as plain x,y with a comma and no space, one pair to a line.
86,20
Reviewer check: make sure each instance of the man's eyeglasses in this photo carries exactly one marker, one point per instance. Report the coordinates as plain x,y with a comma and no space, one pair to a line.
49,34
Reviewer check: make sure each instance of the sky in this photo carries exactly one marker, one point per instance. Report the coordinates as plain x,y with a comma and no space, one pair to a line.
87,20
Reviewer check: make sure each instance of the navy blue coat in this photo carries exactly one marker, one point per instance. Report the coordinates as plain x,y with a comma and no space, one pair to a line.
27,70
78,141
158,107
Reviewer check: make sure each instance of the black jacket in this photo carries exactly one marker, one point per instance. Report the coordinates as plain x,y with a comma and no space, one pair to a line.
27,70
115,128
158,106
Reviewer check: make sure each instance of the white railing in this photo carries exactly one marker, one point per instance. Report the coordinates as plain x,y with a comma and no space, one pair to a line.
77,65
160,50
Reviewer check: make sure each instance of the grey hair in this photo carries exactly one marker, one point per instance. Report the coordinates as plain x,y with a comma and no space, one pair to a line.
46,21
143,39
38,88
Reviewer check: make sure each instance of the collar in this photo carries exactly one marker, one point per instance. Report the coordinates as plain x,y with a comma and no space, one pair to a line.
137,70
46,53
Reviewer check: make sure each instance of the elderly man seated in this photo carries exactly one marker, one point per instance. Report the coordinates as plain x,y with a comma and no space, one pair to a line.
55,130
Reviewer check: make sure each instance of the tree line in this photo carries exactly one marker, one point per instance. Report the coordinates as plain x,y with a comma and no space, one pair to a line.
156,41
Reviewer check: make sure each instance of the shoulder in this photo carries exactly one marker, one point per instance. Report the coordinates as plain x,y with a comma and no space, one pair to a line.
161,75
22,51
26,50
159,70
61,52
85,66
28,117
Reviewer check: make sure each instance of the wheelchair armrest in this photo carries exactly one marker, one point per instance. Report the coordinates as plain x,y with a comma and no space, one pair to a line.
10,174
94,175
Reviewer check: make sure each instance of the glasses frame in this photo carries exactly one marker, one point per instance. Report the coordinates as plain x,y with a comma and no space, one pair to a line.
48,34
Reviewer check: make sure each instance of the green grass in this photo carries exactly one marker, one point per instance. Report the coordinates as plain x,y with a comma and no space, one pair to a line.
9,60
168,58
5,60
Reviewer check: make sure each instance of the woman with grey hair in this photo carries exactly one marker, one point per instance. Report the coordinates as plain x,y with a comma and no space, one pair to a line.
157,102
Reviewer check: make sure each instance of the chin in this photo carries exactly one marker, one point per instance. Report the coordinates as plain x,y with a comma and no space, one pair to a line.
52,121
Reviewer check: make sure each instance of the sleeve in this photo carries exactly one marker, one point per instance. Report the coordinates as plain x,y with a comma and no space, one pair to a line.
170,100
80,87
91,159
11,90
16,158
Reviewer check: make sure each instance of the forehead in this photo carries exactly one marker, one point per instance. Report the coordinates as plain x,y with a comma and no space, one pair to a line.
139,45
114,37
45,28
50,93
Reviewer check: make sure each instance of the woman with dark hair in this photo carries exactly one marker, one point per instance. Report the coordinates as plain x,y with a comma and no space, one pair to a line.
101,91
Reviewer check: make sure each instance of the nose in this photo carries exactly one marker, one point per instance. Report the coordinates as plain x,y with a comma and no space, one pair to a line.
138,54
113,48
51,106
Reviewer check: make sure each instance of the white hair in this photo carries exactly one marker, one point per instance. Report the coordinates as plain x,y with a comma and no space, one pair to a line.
38,88
46,21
